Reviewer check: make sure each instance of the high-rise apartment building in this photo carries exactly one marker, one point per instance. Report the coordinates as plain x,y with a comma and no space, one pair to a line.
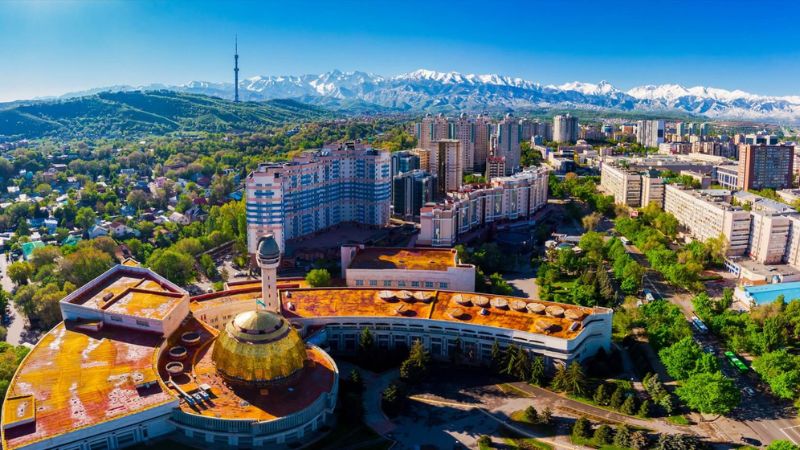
483,133
505,199
432,128
404,161
765,166
424,155
495,167
507,143
680,129
565,128
447,164
318,189
464,132
410,191
650,133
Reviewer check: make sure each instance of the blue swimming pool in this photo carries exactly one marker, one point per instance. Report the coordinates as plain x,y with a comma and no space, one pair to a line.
767,293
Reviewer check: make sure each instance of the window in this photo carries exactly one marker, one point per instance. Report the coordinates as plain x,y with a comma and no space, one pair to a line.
359,282
429,284
373,282
415,284
401,283
442,285
142,323
387,283
116,318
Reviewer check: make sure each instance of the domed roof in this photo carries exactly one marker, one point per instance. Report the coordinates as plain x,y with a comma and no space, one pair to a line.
268,250
258,347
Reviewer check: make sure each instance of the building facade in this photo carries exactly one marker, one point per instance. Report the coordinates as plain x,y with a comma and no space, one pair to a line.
317,190
650,133
565,128
447,164
765,166
508,198
508,134
404,161
410,191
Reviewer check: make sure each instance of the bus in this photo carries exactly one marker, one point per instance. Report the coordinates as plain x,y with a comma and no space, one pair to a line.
699,325
736,362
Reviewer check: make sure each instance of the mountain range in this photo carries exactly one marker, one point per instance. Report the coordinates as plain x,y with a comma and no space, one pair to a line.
427,90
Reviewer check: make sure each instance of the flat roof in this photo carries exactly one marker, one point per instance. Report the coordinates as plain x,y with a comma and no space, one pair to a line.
367,302
239,402
404,258
767,293
79,379
131,291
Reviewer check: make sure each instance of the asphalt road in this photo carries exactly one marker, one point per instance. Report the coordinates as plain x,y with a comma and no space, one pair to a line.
16,325
761,418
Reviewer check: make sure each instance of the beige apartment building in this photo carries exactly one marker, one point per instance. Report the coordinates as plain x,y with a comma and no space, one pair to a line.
707,214
508,198
447,164
769,236
424,156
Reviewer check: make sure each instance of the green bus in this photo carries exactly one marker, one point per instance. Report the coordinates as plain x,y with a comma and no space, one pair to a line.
736,362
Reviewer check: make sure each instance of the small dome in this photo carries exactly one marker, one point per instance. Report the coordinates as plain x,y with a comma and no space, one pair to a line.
268,250
258,347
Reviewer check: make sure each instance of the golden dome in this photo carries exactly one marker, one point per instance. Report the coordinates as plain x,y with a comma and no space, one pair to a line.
258,347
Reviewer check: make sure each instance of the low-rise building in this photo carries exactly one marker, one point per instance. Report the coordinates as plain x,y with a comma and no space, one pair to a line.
405,268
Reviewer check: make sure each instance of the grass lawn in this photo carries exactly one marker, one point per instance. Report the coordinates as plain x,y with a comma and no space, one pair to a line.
515,441
511,390
519,418
590,443
678,419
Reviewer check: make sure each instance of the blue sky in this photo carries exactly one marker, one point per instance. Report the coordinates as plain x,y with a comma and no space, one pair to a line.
53,47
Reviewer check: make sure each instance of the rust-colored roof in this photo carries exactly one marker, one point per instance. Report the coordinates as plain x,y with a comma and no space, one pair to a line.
132,294
80,379
404,258
367,302
247,403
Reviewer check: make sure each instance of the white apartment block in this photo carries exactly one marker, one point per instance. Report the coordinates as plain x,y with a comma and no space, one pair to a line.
317,190
650,133
632,187
707,214
506,199
769,236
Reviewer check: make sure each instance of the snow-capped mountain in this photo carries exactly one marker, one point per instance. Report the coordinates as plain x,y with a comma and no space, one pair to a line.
428,90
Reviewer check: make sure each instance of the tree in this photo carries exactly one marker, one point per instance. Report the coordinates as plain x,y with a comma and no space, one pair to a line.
531,415
484,441
560,380
175,266
617,398
603,435
628,406
710,393
622,436
546,416
497,356
366,343
318,278
85,218
681,358
84,265
581,428
415,367
20,272
45,255
208,265
782,445
644,409
537,370
600,395
591,221
137,199
638,440
576,379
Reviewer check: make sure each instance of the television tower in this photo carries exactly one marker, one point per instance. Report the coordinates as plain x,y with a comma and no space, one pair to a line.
236,70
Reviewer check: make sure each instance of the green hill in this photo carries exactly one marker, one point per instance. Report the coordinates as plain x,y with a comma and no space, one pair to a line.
128,114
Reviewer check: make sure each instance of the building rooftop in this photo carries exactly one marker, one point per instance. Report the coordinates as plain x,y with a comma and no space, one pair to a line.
367,302
240,401
75,379
129,290
404,259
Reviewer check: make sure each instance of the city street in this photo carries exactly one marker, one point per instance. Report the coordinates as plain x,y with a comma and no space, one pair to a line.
760,417
16,324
